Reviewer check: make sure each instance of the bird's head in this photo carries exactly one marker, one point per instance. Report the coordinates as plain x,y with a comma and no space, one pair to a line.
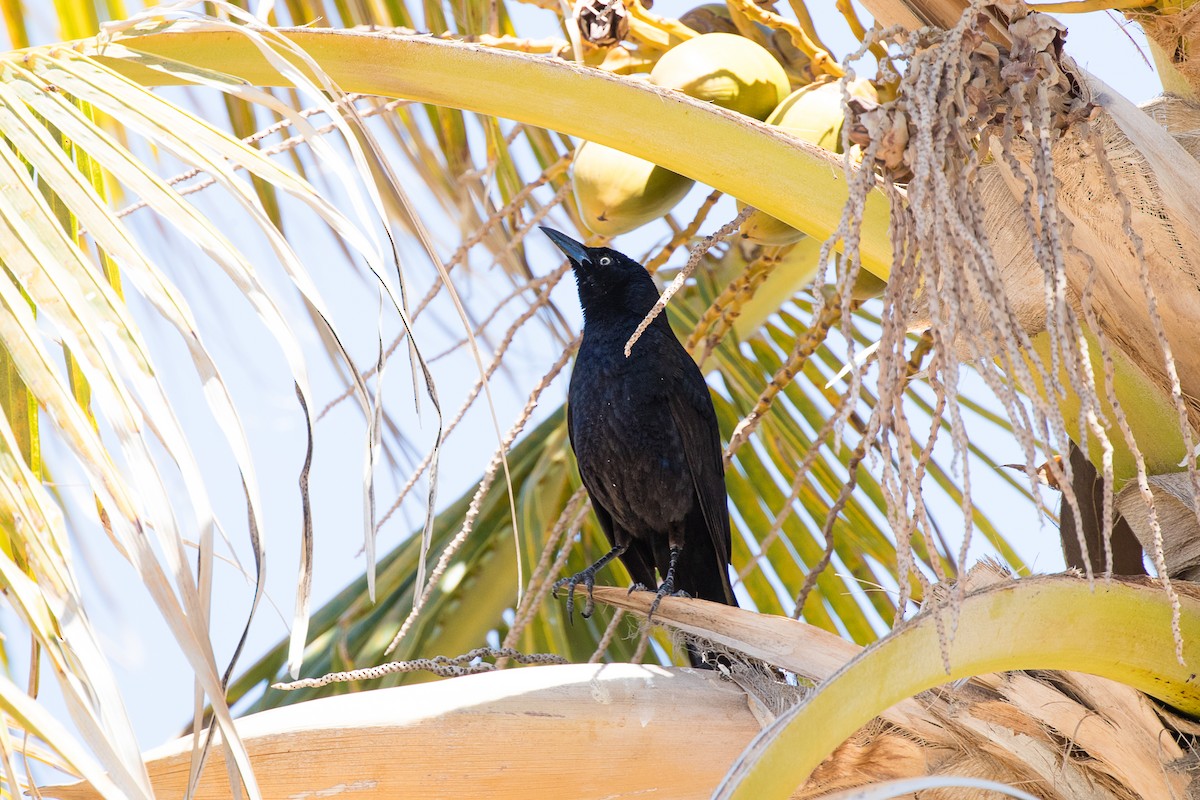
608,281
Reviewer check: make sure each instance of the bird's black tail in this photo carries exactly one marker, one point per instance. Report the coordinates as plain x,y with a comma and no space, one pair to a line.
703,576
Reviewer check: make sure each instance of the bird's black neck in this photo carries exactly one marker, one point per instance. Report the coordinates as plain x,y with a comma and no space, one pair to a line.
630,299
608,330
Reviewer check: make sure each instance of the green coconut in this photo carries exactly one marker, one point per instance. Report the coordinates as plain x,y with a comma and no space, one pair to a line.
814,114
617,192
727,70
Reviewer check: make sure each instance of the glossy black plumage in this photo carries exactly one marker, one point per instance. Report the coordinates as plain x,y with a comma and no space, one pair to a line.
645,435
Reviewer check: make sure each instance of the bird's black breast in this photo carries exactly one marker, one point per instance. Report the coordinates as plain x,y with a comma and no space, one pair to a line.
630,453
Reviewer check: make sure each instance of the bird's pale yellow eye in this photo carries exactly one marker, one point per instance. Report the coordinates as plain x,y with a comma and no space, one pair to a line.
605,261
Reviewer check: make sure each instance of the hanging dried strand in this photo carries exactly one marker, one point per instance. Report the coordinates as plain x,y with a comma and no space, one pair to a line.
610,633
693,261
543,576
823,321
485,484
1160,564
684,235
810,580
718,318
962,98
1095,424
470,663
799,481
541,301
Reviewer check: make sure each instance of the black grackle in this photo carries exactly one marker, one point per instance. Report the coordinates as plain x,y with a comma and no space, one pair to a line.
645,436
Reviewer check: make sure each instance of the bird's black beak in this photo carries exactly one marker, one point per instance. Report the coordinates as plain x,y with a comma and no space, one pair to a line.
574,250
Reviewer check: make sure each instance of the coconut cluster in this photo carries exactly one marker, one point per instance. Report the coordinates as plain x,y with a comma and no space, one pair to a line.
616,192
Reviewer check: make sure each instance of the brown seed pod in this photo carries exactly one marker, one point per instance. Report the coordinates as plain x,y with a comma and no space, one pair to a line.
602,22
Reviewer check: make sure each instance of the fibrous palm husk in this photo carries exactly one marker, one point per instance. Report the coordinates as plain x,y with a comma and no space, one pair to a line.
1176,518
1053,734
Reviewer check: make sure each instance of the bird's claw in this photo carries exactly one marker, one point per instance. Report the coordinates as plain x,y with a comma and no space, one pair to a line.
588,578
664,591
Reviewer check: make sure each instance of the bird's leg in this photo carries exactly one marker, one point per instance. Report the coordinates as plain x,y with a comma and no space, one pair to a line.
667,588
588,578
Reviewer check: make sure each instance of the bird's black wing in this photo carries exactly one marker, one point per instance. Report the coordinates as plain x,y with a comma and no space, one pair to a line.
696,422
638,559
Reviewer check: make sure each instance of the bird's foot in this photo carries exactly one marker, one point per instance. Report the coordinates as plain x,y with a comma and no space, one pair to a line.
588,578
638,587
664,591
667,588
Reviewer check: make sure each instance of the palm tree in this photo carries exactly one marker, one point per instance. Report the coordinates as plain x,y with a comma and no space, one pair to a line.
419,165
